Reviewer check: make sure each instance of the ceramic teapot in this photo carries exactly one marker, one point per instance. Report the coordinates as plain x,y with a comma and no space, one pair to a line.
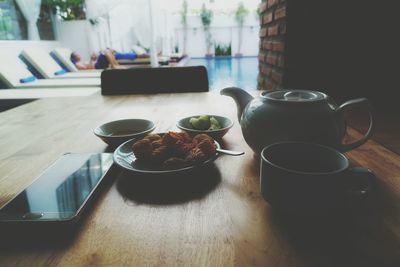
294,115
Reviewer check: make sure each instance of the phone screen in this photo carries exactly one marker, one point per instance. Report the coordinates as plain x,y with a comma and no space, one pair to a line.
61,191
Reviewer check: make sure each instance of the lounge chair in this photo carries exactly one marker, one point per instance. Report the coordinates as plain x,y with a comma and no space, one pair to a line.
13,74
176,57
63,57
31,93
11,98
44,66
143,58
143,61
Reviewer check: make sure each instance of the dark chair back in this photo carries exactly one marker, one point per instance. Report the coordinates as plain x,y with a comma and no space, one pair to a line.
154,80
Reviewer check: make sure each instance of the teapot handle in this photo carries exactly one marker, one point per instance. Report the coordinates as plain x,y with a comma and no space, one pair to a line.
354,102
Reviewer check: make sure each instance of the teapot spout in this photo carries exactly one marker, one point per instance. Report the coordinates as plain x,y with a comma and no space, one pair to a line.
241,97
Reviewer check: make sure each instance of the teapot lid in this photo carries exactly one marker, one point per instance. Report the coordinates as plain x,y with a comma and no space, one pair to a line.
295,95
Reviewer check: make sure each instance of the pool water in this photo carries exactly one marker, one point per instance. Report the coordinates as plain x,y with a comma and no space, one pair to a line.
224,72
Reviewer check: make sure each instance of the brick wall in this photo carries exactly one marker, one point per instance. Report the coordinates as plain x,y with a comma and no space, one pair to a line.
347,51
272,44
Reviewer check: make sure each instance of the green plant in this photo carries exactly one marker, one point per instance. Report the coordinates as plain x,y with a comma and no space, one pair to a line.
7,27
206,16
240,14
223,50
66,9
184,12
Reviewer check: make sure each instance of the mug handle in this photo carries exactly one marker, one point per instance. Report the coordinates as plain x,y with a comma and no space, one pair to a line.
354,102
361,182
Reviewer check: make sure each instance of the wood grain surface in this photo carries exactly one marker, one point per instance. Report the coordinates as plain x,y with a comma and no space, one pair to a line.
219,219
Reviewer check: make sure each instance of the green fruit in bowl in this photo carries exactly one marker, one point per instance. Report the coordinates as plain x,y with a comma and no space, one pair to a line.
214,124
200,123
205,122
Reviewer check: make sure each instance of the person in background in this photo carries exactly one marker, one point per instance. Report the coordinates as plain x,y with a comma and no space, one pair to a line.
106,59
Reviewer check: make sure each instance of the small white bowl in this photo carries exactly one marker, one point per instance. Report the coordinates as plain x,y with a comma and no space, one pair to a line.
117,132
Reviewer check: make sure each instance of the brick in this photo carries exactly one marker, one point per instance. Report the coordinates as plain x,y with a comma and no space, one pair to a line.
280,13
278,46
260,79
272,3
263,32
265,70
263,44
266,44
276,76
271,59
268,85
263,7
268,18
261,57
273,30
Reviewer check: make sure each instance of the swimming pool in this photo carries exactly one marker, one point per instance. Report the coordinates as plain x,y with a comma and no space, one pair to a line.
223,72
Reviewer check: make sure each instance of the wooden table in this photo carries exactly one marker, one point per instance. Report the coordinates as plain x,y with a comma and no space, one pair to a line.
227,224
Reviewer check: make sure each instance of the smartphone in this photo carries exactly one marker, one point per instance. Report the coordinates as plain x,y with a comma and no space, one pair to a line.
59,196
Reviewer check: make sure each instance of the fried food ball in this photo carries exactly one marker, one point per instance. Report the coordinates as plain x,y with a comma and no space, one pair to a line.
178,142
171,139
184,148
156,144
142,149
207,147
152,137
185,137
195,156
200,137
160,154
174,163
